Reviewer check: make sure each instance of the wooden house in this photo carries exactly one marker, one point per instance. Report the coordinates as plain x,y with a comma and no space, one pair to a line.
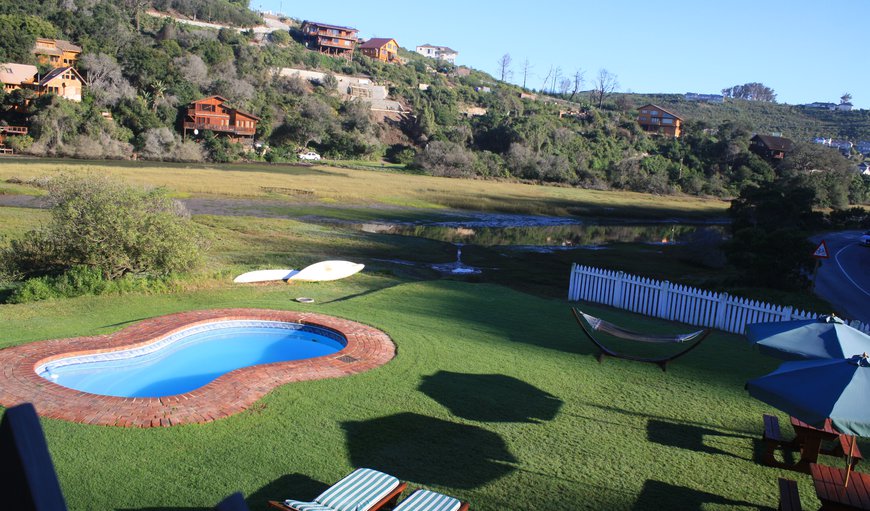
17,76
655,119
66,82
6,131
330,39
213,114
385,50
770,147
56,52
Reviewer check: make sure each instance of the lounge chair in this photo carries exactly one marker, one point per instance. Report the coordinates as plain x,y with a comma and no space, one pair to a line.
425,500
363,489
591,324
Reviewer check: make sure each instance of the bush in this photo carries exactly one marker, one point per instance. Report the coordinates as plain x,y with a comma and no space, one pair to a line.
108,228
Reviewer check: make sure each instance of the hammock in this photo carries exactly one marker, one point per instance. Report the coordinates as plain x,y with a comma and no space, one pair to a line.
591,324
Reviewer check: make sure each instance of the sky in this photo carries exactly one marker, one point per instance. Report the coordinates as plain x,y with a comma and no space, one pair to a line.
806,51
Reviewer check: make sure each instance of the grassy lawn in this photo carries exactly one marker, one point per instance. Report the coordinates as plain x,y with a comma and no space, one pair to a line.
493,398
324,185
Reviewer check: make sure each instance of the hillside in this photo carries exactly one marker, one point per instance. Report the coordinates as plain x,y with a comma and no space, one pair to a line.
796,122
143,71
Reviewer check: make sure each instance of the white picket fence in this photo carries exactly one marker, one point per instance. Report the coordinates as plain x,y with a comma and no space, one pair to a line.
674,302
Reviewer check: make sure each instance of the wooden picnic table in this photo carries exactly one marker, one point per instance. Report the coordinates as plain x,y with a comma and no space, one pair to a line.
810,439
828,482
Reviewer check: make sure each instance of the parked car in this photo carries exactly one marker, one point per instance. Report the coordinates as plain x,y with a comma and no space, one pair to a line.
865,239
310,155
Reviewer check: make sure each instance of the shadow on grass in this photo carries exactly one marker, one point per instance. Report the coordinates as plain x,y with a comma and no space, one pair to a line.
731,432
429,451
490,397
289,486
685,436
660,495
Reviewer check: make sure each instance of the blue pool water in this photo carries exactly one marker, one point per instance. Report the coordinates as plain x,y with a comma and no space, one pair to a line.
192,358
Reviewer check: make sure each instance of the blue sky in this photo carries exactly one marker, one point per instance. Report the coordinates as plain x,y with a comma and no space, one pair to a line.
805,50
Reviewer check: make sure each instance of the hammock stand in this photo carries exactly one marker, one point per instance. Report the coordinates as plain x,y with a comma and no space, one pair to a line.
590,324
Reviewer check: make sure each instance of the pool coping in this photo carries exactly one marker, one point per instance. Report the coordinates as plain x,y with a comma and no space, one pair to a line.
227,395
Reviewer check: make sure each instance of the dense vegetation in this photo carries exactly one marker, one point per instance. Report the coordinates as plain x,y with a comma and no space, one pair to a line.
100,231
144,70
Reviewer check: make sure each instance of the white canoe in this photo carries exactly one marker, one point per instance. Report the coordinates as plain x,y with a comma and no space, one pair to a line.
327,270
264,276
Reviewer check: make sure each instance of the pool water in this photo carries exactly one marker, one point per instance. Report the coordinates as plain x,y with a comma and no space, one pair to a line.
187,360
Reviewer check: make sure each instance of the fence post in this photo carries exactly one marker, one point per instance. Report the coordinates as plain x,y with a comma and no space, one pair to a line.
572,282
721,311
786,313
617,290
664,299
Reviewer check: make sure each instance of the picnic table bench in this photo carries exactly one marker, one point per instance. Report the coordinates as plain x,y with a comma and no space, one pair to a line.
829,483
789,500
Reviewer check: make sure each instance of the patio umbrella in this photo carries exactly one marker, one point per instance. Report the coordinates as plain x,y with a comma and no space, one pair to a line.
826,337
814,390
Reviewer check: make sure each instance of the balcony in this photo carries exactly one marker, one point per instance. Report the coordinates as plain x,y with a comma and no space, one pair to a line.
13,130
220,128
341,43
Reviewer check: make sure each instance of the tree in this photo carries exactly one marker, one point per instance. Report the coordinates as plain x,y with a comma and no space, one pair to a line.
751,92
105,225
603,85
106,82
845,98
504,67
527,68
578,83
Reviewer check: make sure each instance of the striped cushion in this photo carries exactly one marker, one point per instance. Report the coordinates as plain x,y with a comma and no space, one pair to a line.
359,491
425,500
298,505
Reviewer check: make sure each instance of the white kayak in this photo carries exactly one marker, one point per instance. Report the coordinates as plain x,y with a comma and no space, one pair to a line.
327,270
264,276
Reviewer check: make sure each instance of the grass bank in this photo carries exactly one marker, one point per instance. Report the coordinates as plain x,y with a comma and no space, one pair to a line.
333,186
493,398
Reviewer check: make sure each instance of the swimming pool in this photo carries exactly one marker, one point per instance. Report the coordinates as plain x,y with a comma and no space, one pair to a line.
28,367
191,358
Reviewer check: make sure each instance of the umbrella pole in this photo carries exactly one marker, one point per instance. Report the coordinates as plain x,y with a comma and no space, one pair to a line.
849,461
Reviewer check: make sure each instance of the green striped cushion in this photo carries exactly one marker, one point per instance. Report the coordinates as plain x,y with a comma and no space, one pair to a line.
425,500
299,505
359,491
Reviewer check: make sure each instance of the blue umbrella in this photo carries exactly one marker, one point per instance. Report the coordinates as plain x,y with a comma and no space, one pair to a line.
826,337
814,390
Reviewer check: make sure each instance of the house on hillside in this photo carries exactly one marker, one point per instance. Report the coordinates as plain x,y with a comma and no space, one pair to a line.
17,76
56,52
438,52
655,119
330,39
6,131
385,50
213,114
65,82
845,107
864,168
770,147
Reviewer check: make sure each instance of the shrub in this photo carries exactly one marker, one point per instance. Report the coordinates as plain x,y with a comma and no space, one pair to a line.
109,228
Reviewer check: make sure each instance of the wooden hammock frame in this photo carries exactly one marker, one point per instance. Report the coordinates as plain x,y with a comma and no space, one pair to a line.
696,338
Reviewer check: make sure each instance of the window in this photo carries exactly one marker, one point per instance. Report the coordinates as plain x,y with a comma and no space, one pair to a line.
667,121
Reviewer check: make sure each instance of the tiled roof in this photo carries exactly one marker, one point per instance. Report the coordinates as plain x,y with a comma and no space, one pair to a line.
327,25
662,109
776,143
16,74
375,42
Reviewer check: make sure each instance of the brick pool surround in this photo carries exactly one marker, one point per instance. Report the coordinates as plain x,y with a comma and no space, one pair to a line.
229,394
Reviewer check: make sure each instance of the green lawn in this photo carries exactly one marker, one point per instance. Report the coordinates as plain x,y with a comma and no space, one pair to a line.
493,398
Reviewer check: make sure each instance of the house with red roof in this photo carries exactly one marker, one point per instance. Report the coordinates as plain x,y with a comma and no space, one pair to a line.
385,50
213,114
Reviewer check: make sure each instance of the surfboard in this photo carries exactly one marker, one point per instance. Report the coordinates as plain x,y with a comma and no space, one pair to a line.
327,270
264,276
